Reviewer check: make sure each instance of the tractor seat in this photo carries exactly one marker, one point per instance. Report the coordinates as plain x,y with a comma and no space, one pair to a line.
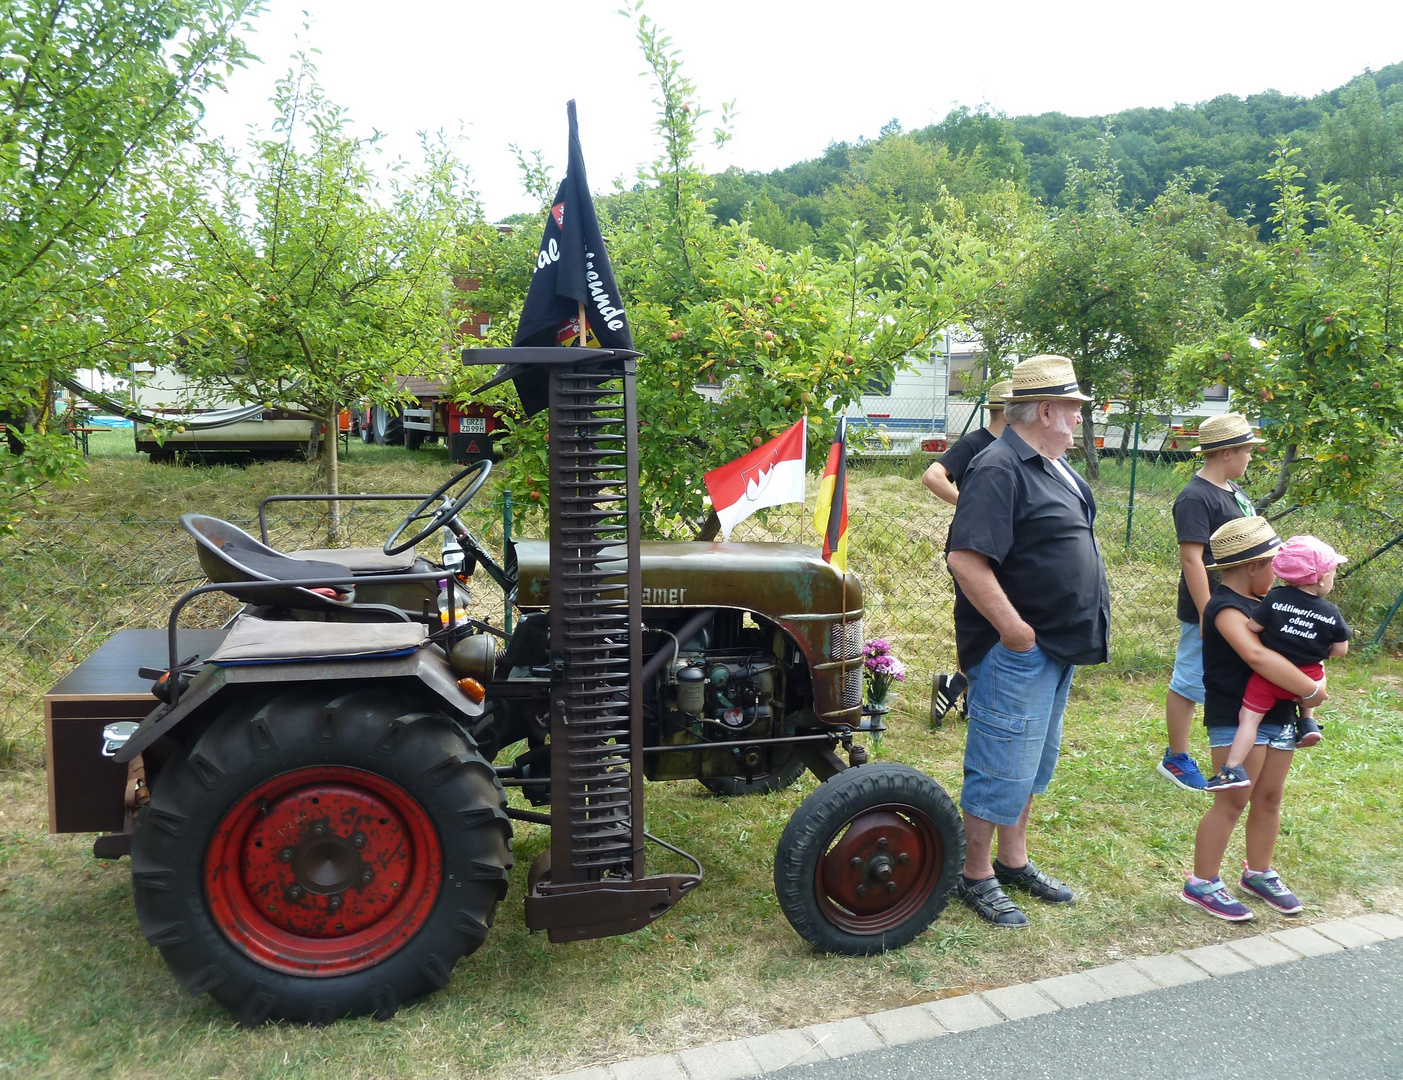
228,554
359,561
256,641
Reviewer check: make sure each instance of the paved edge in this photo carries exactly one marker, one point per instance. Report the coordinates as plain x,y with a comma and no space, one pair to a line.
757,1055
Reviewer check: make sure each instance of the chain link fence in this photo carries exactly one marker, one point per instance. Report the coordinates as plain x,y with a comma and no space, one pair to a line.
66,585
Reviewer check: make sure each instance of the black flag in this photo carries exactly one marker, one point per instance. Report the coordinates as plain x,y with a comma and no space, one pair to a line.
572,269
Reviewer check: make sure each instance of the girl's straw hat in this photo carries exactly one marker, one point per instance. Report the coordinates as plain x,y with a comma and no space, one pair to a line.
1045,378
1221,432
1242,540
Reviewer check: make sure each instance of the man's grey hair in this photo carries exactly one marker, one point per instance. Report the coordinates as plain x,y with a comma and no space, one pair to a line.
1021,412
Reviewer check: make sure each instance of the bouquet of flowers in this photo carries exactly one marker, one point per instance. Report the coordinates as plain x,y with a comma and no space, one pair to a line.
880,670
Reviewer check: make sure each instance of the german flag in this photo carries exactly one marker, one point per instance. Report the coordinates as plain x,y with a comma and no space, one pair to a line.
831,516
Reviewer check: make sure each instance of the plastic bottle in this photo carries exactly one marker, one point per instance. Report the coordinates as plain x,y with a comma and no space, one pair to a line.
457,599
452,557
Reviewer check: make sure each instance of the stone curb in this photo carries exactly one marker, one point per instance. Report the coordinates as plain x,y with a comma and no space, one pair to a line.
758,1055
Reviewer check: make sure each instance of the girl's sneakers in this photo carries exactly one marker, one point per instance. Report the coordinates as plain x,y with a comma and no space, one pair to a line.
1267,886
1214,898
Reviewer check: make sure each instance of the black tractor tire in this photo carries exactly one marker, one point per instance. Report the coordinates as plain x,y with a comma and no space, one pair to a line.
786,776
414,439
869,859
360,420
415,836
386,427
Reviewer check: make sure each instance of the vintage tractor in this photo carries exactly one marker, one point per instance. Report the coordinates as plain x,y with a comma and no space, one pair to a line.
316,825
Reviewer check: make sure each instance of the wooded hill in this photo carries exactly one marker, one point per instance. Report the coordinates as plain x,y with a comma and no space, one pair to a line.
1353,136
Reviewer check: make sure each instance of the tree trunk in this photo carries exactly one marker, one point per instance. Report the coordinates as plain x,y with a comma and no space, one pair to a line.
1283,479
711,527
1088,442
333,475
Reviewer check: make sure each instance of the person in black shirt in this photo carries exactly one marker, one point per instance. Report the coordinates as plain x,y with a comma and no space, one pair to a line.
1209,500
1242,551
943,478
1298,622
1031,603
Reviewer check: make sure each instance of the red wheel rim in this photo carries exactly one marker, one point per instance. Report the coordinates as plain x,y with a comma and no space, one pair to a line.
323,871
879,869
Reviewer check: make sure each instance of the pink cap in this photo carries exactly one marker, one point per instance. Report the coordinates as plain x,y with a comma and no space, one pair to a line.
1304,560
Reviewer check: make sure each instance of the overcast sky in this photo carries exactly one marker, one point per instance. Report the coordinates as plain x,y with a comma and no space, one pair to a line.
801,75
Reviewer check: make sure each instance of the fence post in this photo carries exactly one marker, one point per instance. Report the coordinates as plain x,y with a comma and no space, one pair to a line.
1379,636
506,548
1134,460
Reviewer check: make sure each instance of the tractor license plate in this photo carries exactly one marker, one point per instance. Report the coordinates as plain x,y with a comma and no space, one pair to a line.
472,425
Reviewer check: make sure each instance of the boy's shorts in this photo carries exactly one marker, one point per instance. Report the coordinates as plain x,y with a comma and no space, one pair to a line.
1187,680
1261,694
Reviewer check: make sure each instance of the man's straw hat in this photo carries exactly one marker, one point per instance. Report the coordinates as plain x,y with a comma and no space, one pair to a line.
1242,540
997,393
1221,432
1045,378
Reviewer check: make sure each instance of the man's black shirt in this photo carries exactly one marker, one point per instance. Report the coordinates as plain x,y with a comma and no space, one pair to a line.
1300,625
956,460
1016,510
1199,510
1225,673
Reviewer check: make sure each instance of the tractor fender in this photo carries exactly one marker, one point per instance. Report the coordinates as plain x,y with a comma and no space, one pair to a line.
216,683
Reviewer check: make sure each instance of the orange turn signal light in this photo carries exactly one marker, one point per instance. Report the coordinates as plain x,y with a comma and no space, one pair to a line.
472,688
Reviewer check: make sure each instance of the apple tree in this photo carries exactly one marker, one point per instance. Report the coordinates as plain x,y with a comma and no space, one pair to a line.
95,96
1319,354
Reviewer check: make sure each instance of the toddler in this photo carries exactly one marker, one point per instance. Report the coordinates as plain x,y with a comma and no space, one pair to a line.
1297,621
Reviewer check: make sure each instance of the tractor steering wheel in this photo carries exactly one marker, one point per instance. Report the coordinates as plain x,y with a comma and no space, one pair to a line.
441,507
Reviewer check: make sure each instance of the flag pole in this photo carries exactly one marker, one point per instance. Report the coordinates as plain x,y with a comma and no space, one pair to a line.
843,670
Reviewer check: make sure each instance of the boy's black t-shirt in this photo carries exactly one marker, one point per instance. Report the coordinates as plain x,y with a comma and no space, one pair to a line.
1299,625
1199,511
956,460
1225,674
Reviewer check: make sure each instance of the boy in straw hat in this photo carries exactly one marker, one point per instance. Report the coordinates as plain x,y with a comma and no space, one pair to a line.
1209,500
1031,603
943,479
1242,553
1297,621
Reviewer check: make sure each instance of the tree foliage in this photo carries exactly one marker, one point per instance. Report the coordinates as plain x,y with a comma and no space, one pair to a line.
1115,288
320,280
95,95
1319,349
768,334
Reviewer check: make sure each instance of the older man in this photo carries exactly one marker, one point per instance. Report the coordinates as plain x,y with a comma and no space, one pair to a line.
1031,603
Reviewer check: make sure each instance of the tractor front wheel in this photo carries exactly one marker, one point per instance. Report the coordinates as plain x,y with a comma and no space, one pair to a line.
311,859
869,859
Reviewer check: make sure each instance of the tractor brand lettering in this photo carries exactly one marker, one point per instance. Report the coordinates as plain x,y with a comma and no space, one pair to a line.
664,596
550,252
612,316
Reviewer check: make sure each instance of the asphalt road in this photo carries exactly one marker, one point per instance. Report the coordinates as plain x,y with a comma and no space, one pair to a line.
1336,1017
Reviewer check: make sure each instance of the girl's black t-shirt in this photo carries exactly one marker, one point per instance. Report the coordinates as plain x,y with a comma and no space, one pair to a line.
1225,673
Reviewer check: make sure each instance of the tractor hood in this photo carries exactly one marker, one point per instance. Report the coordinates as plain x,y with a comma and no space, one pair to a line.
781,581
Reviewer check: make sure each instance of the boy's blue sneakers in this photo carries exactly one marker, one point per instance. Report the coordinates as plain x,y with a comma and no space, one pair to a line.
1182,770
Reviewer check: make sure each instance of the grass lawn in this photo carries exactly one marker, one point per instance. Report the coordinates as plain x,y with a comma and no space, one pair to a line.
85,996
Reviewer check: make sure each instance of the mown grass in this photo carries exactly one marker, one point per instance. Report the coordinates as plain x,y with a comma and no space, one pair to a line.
85,996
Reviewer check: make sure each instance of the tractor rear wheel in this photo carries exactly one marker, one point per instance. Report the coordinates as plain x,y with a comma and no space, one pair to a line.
309,859
869,859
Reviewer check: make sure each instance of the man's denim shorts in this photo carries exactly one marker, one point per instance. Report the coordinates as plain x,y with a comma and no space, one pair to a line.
1187,680
1016,701
1276,736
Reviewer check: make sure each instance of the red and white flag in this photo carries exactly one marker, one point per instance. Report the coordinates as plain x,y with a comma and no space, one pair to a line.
769,475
